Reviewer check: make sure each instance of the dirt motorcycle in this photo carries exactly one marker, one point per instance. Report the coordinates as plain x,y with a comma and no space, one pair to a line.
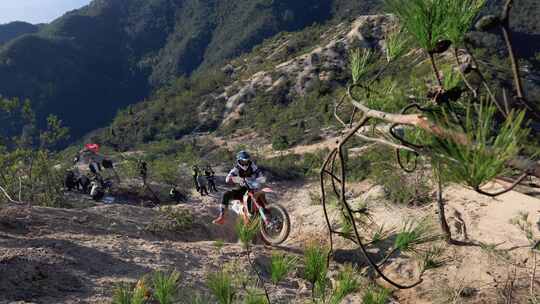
99,187
74,180
275,221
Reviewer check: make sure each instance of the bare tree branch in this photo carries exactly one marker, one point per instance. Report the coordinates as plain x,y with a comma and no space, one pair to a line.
505,26
6,194
514,185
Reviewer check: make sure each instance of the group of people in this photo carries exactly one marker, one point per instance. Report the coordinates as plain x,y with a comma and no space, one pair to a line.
204,180
90,182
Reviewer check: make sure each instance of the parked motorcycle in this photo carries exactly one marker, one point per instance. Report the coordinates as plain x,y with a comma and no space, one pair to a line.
99,187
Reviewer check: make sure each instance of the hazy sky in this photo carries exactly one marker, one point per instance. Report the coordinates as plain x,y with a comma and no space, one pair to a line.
36,11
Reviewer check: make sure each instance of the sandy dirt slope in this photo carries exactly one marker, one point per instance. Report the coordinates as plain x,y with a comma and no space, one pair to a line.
481,272
78,255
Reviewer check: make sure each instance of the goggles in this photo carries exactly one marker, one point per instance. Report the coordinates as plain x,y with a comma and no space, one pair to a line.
244,162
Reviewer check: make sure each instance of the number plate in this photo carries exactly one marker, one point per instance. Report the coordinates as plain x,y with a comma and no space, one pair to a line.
237,207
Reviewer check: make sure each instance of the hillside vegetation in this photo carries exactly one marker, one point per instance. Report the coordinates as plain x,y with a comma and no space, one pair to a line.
112,53
286,86
91,62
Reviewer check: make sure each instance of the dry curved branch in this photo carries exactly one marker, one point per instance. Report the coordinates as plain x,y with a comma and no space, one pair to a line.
402,166
259,276
383,142
345,236
337,106
504,111
521,178
417,120
462,74
422,122
351,215
323,201
332,169
6,194
334,177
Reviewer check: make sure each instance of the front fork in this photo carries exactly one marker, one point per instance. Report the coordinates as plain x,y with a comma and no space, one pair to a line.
263,216
265,219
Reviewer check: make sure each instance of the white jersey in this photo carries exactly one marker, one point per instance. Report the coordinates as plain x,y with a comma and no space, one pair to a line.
252,172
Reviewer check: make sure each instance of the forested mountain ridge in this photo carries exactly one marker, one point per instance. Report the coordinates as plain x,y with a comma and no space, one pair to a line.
12,30
92,61
285,87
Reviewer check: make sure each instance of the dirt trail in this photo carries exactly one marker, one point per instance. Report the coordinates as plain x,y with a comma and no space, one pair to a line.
78,255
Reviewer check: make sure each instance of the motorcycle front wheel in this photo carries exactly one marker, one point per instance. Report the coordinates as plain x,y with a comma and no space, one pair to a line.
279,225
97,193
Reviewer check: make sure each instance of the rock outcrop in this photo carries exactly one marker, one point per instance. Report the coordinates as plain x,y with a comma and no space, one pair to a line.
320,66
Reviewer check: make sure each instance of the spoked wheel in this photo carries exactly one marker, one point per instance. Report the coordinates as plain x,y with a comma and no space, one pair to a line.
97,194
278,227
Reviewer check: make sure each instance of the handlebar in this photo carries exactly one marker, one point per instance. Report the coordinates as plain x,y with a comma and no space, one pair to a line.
250,184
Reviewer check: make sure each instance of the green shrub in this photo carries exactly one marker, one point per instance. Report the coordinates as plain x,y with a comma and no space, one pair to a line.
221,285
255,296
285,123
141,293
415,233
280,266
402,188
122,294
247,231
432,258
376,295
166,286
346,284
282,167
293,166
315,268
219,244
346,225
31,170
488,149
426,21
125,293
280,142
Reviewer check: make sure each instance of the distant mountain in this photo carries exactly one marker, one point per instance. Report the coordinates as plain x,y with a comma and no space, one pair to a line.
92,61
12,30
285,88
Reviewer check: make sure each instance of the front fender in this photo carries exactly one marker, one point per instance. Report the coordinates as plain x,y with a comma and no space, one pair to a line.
267,190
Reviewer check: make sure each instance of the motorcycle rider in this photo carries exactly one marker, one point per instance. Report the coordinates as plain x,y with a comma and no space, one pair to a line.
195,171
90,155
245,168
